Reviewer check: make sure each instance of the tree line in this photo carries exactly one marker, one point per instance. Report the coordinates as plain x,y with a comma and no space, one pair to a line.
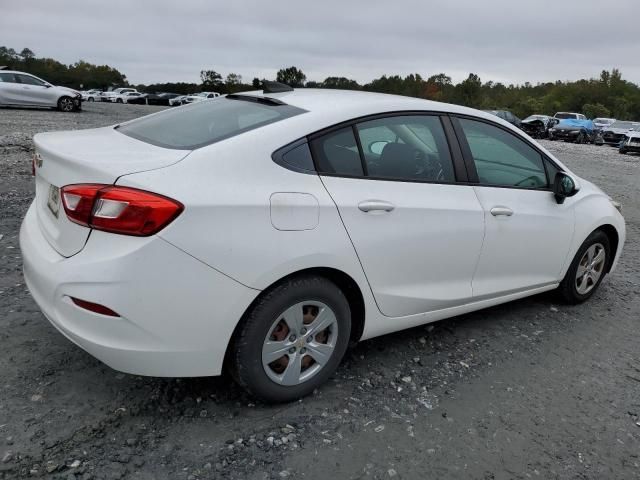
609,95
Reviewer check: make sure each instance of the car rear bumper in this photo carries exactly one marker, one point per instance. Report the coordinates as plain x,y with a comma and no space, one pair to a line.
177,314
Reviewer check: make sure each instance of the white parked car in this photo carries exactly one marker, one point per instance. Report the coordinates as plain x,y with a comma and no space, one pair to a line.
124,97
91,95
569,115
176,101
23,89
198,97
111,95
265,231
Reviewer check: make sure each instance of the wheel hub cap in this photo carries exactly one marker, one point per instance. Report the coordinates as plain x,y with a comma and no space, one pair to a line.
299,343
590,268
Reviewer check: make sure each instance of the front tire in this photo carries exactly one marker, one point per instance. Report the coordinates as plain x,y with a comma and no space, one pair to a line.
292,339
587,269
90,99
65,104
119,100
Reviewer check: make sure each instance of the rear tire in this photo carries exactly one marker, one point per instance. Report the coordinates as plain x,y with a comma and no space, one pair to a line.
587,270
281,322
65,104
622,151
90,99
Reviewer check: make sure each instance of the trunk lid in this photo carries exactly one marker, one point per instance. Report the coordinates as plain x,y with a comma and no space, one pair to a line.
98,155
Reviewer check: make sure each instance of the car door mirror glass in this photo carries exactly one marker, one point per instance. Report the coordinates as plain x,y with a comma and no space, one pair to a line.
377,147
563,187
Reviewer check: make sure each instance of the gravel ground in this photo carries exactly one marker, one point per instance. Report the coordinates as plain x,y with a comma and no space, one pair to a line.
531,389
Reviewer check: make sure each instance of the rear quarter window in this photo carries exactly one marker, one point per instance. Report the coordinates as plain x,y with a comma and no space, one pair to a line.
207,122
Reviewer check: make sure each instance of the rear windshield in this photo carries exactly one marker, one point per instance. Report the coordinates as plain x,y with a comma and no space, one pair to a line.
207,122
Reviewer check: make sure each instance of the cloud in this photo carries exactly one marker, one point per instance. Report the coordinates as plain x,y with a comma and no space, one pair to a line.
501,40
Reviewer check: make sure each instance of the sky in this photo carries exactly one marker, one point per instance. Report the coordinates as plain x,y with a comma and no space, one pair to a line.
510,41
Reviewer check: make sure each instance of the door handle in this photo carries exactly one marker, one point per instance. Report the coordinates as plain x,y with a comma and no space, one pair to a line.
501,212
376,205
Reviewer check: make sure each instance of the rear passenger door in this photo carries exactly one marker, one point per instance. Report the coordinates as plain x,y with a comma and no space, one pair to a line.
417,233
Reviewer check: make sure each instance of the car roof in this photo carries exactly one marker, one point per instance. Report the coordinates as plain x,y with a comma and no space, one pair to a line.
347,104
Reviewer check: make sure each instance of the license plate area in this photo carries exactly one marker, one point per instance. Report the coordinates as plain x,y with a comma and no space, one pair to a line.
53,200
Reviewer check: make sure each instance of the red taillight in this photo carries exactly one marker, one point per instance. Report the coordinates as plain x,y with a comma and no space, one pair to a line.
114,209
94,307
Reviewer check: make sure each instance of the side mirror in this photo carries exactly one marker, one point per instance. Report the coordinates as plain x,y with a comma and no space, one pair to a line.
377,147
563,187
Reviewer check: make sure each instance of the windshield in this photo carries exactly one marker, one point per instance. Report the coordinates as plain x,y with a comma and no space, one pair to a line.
606,121
565,115
535,117
624,125
204,123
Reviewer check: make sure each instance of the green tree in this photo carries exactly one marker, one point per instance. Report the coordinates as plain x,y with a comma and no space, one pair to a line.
291,76
233,82
338,82
595,110
210,79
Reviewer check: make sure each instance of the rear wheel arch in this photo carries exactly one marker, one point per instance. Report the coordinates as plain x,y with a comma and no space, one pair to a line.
342,280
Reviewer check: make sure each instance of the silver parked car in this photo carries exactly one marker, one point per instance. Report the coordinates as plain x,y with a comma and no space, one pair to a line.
23,89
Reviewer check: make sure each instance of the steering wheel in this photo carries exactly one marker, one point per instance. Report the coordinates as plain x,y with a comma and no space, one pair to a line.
428,166
533,178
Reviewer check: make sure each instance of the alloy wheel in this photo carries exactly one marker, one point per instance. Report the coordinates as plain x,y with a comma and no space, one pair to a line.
590,268
299,343
66,104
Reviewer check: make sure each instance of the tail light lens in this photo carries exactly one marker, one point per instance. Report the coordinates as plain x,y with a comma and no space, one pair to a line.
123,210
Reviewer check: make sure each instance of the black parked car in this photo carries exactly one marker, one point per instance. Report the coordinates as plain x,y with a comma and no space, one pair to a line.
161,98
138,100
537,126
506,115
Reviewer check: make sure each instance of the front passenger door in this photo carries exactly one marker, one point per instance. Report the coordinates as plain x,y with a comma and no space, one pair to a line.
527,233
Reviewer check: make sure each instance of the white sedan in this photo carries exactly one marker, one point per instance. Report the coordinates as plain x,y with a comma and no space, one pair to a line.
264,231
198,97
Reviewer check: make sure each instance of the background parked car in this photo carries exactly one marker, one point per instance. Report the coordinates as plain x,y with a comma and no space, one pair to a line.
108,96
124,97
136,98
537,126
175,101
631,142
569,115
91,95
602,123
198,97
506,115
616,132
161,98
572,130
24,89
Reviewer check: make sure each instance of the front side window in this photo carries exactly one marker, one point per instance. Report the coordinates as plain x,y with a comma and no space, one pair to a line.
204,123
501,158
29,80
411,147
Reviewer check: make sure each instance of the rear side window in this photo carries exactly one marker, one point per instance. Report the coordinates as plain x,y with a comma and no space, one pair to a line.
204,123
412,148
